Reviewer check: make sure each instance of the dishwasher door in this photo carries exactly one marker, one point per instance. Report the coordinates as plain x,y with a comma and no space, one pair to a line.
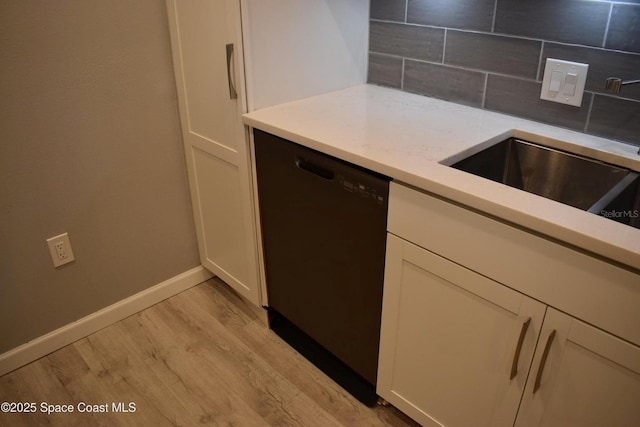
324,234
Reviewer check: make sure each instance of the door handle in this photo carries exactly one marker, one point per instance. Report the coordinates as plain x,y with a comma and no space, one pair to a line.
232,89
516,356
543,360
310,167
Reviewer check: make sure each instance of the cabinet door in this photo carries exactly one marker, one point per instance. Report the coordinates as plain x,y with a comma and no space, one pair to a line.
207,55
589,378
449,339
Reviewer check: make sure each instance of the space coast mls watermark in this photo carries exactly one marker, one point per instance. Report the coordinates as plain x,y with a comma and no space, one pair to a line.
620,214
57,408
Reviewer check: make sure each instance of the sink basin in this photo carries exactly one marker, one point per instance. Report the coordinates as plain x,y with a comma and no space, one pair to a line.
567,178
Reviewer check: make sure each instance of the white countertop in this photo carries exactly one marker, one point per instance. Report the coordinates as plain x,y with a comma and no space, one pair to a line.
410,138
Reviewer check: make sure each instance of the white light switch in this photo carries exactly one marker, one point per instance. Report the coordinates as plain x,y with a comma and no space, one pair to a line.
556,81
570,84
564,81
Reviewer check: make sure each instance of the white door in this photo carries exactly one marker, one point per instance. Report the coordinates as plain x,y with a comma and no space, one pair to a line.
207,53
588,378
451,339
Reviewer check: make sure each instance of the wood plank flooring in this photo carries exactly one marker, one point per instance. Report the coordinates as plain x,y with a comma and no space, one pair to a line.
201,357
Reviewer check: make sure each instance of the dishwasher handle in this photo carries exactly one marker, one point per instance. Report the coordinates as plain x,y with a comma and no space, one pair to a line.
315,169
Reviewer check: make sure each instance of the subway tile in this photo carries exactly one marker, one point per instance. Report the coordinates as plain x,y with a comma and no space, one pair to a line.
385,70
602,64
504,55
624,28
409,41
465,14
388,10
571,21
444,82
615,118
522,98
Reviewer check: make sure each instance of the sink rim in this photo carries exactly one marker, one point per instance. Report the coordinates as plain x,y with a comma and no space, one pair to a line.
594,205
620,154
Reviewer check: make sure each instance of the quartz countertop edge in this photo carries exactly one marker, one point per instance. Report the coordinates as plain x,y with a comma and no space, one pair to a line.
412,139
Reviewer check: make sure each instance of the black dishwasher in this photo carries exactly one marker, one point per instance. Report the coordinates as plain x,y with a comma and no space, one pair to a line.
324,234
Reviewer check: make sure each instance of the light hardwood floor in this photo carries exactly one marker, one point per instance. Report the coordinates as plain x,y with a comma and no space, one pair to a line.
201,357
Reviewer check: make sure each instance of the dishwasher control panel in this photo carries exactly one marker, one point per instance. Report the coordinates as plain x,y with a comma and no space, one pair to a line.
362,189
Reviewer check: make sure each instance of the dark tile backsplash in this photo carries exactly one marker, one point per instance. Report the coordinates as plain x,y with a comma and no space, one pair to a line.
388,10
500,97
441,81
491,54
385,70
623,17
409,41
468,14
615,118
570,21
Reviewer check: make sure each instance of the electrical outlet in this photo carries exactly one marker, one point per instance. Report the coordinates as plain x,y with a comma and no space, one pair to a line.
60,249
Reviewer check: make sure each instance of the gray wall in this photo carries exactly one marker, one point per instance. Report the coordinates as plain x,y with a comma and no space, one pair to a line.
89,145
490,54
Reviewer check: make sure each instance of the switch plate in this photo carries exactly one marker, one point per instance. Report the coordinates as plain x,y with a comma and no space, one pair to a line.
60,249
564,81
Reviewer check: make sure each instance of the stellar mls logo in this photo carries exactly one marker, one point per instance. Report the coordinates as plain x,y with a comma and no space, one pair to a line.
631,213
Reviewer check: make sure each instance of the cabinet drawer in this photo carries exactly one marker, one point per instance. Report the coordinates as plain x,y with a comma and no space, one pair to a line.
579,284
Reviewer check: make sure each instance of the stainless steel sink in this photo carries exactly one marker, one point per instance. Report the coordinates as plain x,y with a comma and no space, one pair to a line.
567,178
624,205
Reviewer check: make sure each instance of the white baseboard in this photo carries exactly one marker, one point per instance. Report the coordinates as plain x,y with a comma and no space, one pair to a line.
81,328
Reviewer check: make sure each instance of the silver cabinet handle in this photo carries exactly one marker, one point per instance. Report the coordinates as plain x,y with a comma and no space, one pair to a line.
516,356
543,360
232,90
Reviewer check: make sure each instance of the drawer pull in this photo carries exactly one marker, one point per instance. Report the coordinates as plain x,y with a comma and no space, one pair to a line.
543,360
232,89
516,356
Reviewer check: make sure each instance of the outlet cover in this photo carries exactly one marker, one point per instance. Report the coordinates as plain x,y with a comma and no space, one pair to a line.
60,249
564,81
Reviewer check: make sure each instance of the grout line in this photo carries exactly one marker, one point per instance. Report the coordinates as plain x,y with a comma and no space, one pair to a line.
540,58
588,119
444,45
606,30
406,10
484,91
495,13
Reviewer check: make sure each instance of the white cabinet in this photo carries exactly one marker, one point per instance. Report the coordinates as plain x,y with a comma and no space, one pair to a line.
283,50
450,332
456,346
589,378
208,65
